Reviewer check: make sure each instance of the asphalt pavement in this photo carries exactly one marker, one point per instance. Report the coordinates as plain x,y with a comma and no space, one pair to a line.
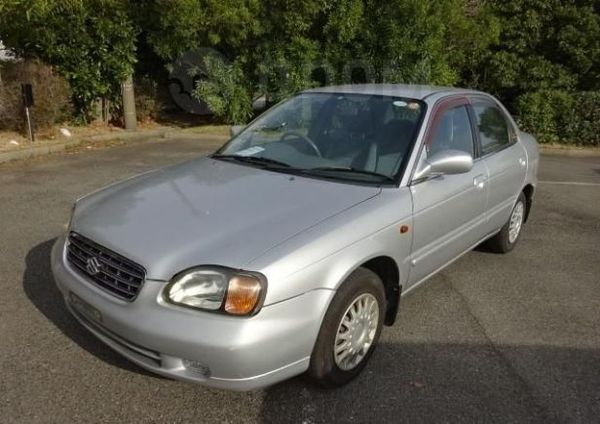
493,338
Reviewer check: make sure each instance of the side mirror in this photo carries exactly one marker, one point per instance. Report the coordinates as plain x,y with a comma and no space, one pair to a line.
235,130
446,162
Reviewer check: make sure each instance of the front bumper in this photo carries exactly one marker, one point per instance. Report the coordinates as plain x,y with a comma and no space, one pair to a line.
214,350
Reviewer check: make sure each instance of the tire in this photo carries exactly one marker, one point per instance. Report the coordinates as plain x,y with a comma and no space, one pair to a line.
363,288
506,239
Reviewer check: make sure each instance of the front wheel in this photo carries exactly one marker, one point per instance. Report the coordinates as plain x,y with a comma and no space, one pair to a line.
350,330
510,233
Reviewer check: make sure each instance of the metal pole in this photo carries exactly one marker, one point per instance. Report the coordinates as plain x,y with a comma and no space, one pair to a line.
129,115
29,126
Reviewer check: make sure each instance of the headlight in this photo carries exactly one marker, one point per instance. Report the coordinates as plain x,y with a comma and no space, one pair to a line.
217,289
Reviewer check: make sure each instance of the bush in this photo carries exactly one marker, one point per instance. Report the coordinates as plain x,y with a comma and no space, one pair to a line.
585,128
50,91
544,113
556,116
92,43
224,90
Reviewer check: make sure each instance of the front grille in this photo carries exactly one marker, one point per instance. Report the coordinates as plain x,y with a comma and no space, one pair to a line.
105,268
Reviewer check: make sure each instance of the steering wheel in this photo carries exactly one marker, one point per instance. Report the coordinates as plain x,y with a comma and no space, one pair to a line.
304,138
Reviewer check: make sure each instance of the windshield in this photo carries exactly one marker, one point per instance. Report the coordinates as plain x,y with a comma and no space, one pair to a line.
358,137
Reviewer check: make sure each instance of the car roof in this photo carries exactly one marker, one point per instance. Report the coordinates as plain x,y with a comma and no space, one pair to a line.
419,92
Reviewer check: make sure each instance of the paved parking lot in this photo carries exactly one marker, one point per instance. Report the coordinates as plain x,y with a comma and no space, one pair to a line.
493,338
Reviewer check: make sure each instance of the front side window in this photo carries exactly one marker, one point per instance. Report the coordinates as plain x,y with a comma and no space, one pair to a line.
358,137
453,132
492,126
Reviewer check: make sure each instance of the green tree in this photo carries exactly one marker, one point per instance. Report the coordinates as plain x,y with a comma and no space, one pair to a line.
546,66
543,45
171,27
224,89
92,43
286,47
411,41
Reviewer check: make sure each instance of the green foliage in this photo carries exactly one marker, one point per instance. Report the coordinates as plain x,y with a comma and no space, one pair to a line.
585,128
408,41
544,113
411,41
541,57
90,42
544,45
546,65
171,27
223,90
285,69
558,116
281,62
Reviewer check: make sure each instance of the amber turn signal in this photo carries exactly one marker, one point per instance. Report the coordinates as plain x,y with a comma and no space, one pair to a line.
243,295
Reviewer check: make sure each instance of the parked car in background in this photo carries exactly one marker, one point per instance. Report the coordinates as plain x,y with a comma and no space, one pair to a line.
288,249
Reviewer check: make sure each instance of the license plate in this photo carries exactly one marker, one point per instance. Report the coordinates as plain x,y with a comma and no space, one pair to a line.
84,308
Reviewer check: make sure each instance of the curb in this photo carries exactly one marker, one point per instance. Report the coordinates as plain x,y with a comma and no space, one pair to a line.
160,134
557,150
170,133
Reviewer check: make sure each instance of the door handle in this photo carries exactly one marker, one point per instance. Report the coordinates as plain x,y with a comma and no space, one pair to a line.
479,181
522,161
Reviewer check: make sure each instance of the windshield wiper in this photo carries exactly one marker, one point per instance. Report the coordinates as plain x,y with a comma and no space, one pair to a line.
341,169
258,160
273,163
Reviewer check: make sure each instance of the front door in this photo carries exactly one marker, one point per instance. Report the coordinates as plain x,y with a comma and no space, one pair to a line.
449,210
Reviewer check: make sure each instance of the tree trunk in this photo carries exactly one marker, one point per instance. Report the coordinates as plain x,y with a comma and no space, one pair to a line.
129,115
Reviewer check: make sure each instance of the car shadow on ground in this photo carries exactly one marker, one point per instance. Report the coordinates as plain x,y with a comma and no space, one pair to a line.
426,383
404,382
41,290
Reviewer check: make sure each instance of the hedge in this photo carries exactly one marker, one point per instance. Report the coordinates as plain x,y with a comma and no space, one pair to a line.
557,116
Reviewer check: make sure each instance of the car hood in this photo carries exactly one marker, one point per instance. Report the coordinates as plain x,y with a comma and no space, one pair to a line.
208,212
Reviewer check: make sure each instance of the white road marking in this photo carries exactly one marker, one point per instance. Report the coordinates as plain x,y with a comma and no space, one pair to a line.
575,183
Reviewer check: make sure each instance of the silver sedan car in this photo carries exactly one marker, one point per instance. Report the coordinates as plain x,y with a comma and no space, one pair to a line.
287,250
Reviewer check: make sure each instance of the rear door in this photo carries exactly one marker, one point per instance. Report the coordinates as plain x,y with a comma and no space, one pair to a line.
449,210
504,158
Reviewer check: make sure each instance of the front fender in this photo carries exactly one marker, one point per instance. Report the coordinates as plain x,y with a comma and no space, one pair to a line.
323,256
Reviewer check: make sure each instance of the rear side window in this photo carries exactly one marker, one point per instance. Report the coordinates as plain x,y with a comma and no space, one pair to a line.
492,126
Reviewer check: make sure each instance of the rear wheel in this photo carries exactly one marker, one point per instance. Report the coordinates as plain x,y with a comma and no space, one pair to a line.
510,233
350,330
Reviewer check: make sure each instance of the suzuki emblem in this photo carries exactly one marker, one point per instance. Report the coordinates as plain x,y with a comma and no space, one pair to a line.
93,265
